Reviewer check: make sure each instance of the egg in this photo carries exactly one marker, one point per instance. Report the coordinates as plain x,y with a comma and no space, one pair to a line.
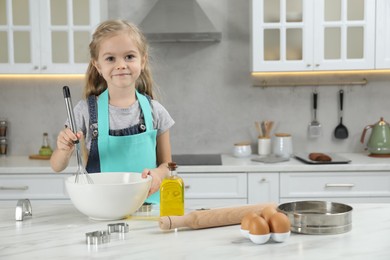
245,223
267,212
259,230
258,226
279,223
246,220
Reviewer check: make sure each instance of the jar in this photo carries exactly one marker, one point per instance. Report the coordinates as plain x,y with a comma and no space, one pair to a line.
282,145
3,128
3,146
242,149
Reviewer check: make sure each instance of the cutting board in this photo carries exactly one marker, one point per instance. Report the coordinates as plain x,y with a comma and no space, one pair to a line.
39,157
336,159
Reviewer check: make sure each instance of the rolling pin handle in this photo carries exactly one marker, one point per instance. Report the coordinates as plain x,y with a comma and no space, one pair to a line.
172,222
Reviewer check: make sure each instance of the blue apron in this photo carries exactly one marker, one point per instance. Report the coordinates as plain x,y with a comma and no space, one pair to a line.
130,153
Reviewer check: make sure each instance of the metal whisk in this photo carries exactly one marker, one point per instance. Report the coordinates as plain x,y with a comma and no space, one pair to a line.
80,167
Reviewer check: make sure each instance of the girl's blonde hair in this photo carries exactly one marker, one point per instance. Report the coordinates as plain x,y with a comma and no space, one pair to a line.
95,83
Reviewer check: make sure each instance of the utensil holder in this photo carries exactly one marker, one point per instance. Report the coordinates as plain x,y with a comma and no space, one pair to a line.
264,146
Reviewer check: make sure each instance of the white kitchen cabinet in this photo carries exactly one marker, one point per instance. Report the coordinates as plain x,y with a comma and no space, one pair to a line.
307,35
34,187
47,36
211,190
383,34
350,187
263,187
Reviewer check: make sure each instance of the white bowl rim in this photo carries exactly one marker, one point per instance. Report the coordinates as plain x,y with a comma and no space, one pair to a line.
147,179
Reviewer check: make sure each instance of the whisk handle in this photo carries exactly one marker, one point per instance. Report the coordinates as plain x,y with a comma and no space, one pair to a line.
69,110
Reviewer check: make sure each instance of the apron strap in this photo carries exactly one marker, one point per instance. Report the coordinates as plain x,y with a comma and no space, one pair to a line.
103,114
146,109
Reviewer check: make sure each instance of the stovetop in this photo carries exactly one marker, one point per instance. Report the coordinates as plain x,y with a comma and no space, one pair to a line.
197,159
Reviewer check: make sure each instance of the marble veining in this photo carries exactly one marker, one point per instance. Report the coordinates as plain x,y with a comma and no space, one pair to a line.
58,232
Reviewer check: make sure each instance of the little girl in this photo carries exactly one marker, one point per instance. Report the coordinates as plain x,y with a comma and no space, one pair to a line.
125,129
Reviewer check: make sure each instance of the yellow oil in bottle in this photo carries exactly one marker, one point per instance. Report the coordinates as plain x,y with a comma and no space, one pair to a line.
172,193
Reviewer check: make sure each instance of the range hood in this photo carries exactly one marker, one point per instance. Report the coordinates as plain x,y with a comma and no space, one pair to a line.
178,21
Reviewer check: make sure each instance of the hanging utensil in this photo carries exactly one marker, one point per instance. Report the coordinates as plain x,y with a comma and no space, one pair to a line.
341,131
315,129
85,178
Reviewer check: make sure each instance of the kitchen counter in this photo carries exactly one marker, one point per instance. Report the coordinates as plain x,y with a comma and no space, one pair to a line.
58,232
359,162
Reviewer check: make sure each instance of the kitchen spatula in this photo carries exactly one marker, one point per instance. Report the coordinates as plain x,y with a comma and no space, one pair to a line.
341,131
315,129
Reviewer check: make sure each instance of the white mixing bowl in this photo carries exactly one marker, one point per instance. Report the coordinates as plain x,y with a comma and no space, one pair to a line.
112,196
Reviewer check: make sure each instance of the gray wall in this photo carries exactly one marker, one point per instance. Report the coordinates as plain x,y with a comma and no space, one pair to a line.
208,91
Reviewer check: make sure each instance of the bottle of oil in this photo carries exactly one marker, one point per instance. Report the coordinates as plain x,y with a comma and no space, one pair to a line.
172,193
45,148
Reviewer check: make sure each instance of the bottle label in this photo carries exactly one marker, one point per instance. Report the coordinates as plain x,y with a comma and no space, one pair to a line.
172,199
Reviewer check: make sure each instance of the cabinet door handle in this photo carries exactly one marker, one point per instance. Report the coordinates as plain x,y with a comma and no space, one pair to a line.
339,185
187,187
13,187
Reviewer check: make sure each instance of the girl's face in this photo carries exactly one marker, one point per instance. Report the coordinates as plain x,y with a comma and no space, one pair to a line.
119,61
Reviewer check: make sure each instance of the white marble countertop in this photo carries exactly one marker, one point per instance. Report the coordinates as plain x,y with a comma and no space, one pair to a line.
359,162
58,232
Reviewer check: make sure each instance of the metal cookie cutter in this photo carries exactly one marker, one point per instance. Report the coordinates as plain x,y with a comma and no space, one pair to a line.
146,207
118,227
23,209
97,237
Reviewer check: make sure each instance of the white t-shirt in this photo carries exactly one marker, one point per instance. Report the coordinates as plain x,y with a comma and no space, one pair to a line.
121,118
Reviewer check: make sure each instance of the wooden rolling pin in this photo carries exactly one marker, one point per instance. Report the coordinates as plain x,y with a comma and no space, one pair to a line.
211,217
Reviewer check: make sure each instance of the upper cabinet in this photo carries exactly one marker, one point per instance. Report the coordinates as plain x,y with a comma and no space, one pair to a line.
47,36
305,35
383,34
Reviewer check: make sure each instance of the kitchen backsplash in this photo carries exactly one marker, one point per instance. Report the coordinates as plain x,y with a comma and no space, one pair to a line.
208,91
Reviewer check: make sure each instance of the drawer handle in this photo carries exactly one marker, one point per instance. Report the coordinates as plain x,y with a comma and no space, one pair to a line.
13,187
187,187
339,185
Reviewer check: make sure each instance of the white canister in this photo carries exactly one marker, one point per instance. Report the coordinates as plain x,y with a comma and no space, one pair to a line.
242,149
264,146
282,145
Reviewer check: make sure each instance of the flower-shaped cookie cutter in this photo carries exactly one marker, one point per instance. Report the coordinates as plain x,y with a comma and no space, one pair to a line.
23,209
97,237
118,228
103,236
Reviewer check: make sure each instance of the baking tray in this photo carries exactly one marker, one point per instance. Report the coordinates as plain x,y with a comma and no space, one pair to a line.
318,217
336,159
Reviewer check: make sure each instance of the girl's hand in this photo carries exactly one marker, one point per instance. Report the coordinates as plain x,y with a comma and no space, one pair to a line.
66,139
156,180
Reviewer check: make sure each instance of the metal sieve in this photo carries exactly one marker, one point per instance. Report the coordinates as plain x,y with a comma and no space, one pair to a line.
318,217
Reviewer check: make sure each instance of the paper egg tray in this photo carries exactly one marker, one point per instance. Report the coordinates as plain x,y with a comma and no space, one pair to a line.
318,217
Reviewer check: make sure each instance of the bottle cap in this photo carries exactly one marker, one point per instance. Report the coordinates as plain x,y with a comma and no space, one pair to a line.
172,166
